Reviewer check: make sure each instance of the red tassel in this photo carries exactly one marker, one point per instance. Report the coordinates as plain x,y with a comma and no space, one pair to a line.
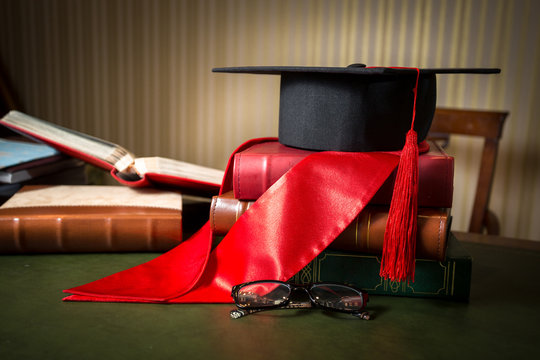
399,248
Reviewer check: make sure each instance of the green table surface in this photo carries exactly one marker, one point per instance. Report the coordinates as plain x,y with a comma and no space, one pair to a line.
501,320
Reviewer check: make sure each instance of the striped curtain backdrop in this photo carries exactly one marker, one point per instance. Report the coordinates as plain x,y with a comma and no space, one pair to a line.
138,73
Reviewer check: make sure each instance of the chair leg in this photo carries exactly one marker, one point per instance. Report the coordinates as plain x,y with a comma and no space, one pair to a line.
491,223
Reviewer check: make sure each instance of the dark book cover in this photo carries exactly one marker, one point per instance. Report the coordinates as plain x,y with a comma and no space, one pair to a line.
449,279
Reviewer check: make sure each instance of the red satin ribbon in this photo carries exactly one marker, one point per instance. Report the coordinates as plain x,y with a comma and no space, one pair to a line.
290,224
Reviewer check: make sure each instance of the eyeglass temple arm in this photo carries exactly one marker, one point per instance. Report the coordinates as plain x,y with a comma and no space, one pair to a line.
238,312
364,315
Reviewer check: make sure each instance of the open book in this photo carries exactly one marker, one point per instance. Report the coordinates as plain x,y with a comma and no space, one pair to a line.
123,165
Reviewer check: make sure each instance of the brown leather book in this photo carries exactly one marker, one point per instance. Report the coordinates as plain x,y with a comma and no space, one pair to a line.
64,218
365,234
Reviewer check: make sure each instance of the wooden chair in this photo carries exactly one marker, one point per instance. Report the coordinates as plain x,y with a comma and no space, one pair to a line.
486,124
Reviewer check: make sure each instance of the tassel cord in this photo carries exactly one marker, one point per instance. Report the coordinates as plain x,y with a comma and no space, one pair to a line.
399,250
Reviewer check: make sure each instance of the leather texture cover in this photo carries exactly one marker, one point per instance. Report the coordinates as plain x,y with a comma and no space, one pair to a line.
260,166
63,219
364,234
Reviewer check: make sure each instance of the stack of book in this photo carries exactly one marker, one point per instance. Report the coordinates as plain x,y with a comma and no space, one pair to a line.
91,218
23,163
442,267
124,166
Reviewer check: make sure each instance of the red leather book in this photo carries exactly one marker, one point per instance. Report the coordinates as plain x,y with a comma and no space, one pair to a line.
88,218
365,234
260,166
123,165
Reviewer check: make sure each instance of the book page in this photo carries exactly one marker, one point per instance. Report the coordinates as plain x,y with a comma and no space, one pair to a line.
176,168
103,150
95,195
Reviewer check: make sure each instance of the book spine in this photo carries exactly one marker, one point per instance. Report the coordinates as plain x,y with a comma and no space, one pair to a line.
89,233
364,234
224,211
255,173
448,279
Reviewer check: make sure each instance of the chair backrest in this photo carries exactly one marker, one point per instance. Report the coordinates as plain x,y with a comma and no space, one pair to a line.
486,124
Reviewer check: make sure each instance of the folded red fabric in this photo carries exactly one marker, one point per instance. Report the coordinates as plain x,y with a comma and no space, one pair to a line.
274,239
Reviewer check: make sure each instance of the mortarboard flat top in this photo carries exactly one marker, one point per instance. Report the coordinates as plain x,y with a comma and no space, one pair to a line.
353,69
354,108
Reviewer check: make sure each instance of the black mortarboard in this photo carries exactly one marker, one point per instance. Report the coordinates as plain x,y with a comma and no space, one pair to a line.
354,108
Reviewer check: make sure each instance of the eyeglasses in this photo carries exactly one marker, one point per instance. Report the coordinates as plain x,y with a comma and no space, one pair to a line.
263,295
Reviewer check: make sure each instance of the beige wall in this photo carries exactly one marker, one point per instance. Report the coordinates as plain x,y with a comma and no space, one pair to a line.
139,73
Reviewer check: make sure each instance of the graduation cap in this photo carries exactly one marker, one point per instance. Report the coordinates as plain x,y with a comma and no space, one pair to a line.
349,109
362,109
354,108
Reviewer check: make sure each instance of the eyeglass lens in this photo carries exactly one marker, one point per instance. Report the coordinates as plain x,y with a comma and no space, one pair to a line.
264,294
338,297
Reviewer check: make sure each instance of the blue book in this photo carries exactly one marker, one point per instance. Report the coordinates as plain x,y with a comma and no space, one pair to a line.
18,152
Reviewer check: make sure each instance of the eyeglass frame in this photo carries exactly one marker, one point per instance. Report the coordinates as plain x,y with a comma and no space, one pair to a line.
246,310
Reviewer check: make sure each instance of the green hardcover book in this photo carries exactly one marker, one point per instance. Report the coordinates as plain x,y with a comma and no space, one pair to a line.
449,279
